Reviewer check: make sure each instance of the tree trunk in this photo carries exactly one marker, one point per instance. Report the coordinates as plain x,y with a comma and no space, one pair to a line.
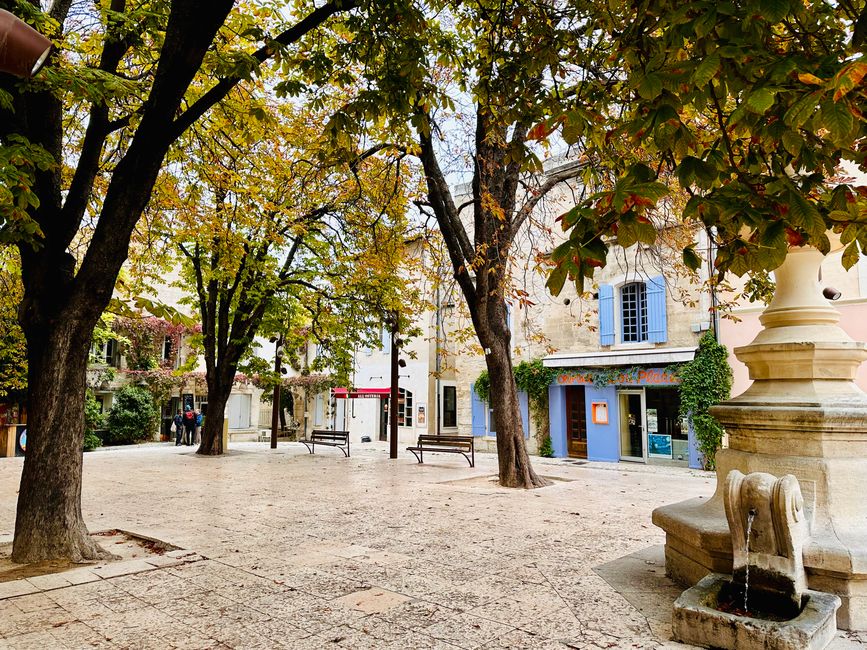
49,523
212,434
514,461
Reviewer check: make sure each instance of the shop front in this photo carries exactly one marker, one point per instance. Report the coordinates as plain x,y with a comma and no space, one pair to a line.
620,414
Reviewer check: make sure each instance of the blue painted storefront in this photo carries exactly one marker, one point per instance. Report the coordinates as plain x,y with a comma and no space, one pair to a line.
603,440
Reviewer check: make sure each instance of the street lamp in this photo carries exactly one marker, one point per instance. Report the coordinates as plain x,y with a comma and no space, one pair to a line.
23,50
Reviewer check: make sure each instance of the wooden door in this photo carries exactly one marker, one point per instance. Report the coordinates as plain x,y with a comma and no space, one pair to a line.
576,422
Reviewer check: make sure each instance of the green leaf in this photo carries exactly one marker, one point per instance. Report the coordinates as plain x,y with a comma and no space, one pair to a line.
759,101
792,142
691,259
850,256
706,70
774,10
802,109
556,280
650,86
836,117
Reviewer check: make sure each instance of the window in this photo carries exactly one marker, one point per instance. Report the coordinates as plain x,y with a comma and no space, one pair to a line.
633,312
404,408
104,352
492,422
167,348
642,314
450,406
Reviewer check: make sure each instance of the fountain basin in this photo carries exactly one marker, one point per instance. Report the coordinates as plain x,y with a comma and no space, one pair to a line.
697,621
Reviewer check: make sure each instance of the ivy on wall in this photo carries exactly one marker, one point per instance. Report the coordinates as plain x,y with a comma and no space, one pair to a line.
705,382
533,378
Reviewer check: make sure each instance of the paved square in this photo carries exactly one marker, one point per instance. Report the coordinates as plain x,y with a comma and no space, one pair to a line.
292,550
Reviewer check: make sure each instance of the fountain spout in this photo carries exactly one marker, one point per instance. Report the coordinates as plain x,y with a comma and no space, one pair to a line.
769,529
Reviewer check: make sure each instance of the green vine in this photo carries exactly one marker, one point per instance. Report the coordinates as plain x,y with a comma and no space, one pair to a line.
482,386
533,378
705,382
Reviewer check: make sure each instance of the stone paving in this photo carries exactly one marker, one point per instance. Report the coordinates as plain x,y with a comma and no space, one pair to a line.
302,551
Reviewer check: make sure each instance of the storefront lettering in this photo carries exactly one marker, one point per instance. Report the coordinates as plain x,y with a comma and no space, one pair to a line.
652,376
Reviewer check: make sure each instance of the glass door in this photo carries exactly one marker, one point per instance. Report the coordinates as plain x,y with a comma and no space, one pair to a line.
631,407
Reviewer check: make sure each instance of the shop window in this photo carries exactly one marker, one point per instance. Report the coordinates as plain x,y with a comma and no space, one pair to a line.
450,407
666,432
633,312
404,408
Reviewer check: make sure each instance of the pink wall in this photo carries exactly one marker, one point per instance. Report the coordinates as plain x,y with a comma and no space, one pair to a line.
853,320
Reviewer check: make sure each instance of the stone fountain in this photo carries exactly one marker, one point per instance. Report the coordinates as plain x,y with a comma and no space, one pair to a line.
765,603
805,416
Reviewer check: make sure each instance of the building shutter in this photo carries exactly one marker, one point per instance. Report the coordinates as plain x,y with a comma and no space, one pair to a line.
524,405
657,323
478,411
606,314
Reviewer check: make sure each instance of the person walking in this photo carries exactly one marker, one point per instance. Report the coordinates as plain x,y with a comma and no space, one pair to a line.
179,427
189,426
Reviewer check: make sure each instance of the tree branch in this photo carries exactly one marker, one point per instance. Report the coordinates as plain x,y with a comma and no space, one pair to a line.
225,85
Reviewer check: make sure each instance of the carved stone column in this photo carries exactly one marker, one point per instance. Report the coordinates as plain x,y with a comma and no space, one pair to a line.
803,415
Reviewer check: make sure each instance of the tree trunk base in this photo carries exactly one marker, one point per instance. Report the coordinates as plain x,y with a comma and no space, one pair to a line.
530,482
77,547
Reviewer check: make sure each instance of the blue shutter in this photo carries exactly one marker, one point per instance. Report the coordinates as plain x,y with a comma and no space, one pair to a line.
657,323
478,411
606,314
524,405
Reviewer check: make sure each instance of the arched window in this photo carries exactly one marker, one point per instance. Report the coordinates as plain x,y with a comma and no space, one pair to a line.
633,312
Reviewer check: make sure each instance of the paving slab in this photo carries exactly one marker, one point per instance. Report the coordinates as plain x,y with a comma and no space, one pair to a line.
284,549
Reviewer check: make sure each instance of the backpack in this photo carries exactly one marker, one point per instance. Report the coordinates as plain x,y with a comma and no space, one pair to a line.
189,417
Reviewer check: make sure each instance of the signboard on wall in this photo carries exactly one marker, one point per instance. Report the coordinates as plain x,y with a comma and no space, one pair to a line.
644,377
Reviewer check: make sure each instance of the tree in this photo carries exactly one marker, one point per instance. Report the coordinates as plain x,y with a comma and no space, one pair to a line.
92,132
752,106
13,348
262,213
509,57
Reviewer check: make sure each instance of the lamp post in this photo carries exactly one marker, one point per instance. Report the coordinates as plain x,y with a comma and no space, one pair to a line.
395,369
23,50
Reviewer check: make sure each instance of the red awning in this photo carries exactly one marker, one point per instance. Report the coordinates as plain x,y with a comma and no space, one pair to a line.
344,393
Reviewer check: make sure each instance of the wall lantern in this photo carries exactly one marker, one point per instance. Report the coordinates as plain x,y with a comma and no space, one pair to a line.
23,50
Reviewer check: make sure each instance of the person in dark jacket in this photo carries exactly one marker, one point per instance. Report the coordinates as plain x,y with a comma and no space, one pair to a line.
189,426
179,427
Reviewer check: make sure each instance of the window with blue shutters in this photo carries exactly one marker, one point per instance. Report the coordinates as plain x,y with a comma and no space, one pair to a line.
641,313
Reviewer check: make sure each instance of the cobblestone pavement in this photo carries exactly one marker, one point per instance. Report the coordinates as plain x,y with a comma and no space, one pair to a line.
320,551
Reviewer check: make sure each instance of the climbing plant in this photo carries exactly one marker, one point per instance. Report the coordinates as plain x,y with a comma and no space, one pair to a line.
705,381
534,378
482,386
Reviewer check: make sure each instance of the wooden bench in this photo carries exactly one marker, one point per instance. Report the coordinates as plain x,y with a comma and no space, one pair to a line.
339,439
446,444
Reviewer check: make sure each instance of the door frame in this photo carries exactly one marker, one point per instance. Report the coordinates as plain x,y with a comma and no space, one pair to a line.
643,457
566,401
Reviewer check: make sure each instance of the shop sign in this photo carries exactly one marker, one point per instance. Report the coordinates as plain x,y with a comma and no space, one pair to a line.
645,377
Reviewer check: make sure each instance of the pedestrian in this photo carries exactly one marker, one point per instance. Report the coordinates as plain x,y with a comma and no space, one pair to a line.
199,419
189,426
178,427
